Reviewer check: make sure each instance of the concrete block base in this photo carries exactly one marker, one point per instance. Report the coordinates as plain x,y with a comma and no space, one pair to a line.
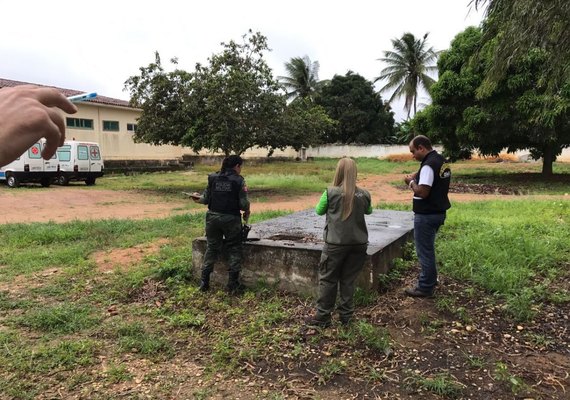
289,250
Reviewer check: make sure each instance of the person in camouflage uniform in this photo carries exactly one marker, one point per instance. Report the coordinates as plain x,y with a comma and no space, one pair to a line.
225,196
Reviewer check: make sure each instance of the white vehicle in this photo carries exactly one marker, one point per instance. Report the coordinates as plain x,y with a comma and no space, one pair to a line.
30,167
79,161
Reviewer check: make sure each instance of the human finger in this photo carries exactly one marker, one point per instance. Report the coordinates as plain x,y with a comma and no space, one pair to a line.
54,133
53,98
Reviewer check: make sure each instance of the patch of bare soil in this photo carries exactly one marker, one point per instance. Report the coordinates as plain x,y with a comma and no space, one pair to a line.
62,204
123,259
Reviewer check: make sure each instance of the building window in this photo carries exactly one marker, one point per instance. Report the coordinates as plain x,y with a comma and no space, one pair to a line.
82,152
131,127
79,123
112,126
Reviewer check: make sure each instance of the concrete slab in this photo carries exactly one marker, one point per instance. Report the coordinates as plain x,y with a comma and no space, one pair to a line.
288,252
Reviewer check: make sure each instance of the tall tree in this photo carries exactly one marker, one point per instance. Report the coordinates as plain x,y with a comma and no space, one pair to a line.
302,78
518,26
409,64
164,100
231,104
237,99
517,114
361,114
305,124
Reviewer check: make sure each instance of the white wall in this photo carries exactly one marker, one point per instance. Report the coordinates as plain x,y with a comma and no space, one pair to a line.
120,145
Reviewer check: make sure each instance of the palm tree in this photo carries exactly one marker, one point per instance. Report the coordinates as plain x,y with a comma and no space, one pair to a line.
302,78
408,67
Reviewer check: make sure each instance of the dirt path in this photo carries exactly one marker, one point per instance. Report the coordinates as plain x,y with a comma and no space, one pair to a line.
61,204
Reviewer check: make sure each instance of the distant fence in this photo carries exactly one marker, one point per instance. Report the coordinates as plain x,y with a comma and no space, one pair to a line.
187,159
376,151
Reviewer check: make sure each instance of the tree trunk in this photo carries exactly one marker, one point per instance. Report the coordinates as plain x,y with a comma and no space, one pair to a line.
547,160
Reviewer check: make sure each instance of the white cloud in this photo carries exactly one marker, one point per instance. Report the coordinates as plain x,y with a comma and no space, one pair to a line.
96,46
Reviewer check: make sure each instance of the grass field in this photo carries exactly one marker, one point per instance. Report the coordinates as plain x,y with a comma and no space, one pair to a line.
70,330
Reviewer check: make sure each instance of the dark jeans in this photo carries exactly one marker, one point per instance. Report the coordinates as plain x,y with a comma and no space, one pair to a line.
425,230
223,231
338,270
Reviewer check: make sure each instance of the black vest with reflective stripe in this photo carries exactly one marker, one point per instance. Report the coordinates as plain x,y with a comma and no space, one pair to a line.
224,190
437,201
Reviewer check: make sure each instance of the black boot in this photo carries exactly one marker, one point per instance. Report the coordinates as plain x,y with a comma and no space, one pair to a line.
234,286
205,280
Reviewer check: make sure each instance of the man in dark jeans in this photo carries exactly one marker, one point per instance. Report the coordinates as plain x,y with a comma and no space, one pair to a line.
225,196
430,186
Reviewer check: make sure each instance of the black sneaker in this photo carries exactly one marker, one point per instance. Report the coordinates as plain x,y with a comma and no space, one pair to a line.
317,323
417,292
204,287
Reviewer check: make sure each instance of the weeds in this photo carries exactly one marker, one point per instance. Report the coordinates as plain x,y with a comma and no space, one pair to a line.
329,369
61,318
118,373
133,337
502,374
441,384
60,328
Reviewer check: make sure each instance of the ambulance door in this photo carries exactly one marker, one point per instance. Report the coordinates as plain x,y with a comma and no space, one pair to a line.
95,161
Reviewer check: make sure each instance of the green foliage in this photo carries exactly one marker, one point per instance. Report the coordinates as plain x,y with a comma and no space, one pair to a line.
302,78
376,338
230,105
20,357
361,114
364,297
518,113
331,368
118,373
409,64
62,318
501,246
502,373
518,26
134,337
304,124
173,265
441,384
187,319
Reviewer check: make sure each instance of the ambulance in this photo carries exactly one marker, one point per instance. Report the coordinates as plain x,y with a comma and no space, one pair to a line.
79,161
30,167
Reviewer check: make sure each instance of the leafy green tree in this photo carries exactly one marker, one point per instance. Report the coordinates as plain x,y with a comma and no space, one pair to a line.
409,64
231,104
302,78
361,114
517,27
512,115
161,96
236,98
304,124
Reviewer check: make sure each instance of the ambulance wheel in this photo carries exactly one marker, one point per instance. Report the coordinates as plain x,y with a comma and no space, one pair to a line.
45,182
63,180
90,181
12,181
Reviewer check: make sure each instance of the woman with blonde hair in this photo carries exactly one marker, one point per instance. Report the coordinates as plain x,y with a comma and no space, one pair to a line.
346,241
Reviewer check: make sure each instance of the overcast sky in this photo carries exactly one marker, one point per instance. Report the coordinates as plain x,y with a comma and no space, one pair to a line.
97,45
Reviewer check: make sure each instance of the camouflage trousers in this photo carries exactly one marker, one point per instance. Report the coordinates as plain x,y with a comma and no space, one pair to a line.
223,234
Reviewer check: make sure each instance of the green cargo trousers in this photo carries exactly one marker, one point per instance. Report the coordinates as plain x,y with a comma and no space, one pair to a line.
223,233
338,270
